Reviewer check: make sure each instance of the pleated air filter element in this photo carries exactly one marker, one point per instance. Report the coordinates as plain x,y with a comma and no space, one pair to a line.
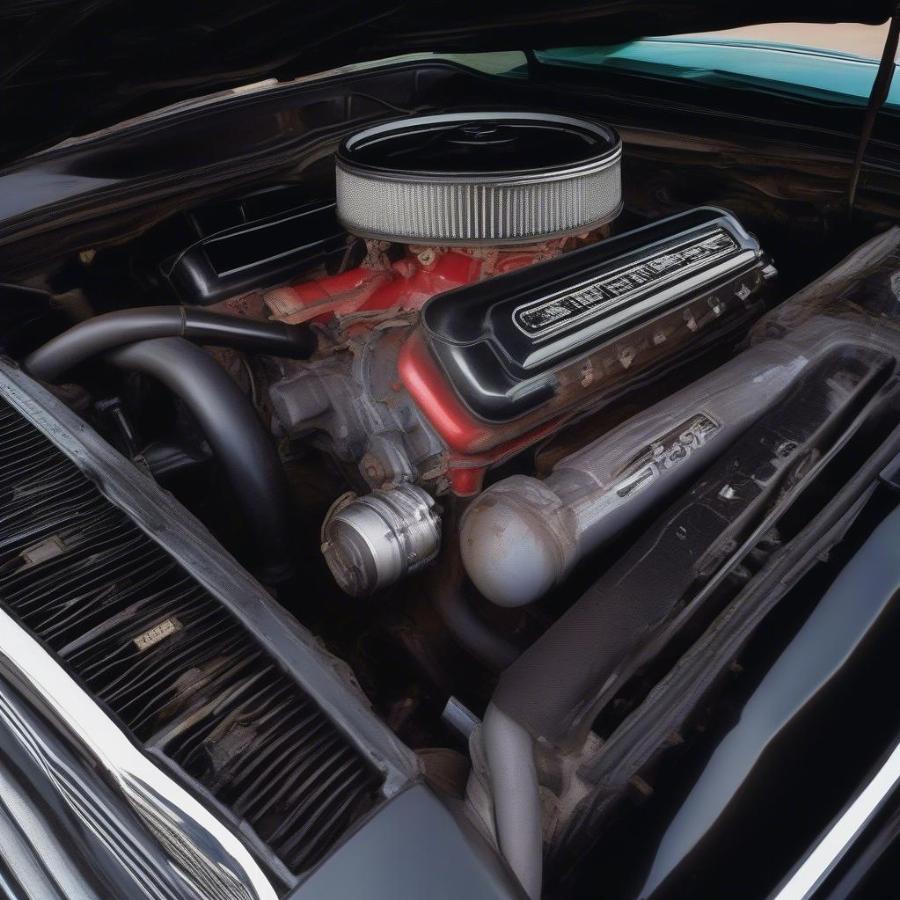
479,178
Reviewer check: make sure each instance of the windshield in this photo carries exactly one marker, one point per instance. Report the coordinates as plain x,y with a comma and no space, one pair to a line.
835,62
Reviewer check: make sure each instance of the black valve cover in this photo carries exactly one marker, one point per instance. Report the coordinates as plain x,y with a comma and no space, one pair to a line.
501,342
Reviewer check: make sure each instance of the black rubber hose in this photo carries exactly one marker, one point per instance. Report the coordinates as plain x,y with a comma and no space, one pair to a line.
447,587
116,329
240,443
470,632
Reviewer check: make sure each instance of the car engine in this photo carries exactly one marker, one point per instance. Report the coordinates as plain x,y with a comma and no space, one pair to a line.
423,398
504,437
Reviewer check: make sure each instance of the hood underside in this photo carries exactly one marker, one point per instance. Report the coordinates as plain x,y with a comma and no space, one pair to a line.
69,67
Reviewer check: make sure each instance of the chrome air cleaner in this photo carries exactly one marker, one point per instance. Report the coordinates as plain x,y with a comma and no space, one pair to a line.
479,177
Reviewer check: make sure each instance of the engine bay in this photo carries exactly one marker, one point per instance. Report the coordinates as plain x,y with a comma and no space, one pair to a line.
509,428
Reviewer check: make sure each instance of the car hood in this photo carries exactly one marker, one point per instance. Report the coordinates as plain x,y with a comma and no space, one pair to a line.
69,67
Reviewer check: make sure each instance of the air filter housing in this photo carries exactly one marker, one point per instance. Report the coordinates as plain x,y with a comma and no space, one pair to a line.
479,178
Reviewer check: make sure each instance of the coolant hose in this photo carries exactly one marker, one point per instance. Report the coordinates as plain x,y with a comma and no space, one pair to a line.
116,329
231,426
509,749
447,584
466,626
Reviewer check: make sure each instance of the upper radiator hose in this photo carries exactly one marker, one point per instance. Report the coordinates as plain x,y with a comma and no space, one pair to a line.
241,445
116,329
149,340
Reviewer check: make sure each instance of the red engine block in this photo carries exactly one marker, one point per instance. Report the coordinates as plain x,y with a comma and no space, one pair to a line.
403,285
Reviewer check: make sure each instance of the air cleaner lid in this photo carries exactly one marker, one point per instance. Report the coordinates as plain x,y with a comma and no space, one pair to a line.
479,177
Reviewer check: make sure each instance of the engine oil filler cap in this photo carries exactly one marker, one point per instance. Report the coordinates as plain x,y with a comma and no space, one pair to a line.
479,178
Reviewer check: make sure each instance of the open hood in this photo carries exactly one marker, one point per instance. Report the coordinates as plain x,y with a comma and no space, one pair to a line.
70,67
